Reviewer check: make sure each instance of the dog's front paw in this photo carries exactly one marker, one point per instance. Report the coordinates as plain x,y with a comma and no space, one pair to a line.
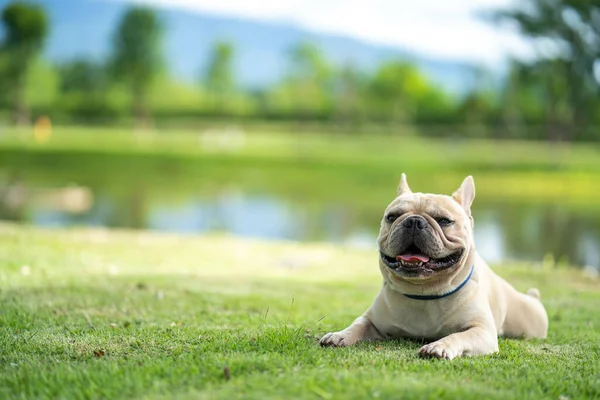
438,350
338,339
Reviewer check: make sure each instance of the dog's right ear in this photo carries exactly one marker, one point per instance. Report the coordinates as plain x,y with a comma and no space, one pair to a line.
465,194
403,186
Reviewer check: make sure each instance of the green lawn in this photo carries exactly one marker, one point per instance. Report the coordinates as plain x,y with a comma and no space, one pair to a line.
113,314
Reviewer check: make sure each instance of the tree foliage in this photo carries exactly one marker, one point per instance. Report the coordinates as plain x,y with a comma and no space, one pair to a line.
555,96
220,76
568,78
26,28
306,91
137,55
83,76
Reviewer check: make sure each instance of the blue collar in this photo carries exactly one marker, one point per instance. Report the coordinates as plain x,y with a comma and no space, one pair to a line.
440,296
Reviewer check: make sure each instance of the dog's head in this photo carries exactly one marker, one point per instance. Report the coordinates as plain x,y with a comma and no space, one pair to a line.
426,237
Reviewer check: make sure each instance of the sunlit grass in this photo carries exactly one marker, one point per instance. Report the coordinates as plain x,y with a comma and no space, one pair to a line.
115,314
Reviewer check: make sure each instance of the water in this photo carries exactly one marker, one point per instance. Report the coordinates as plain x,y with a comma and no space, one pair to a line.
261,203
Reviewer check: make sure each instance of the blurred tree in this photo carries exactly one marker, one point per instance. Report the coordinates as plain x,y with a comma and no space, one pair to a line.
350,90
520,101
219,76
26,28
396,90
573,26
84,91
537,94
308,86
43,87
477,108
308,64
5,82
137,56
83,76
435,106
182,99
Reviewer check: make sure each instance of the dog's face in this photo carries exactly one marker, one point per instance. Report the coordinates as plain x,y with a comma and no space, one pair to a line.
426,236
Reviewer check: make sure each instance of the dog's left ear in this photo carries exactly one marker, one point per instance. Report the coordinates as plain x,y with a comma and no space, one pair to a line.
465,194
403,186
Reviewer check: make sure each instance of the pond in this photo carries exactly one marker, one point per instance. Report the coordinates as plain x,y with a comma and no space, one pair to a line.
262,202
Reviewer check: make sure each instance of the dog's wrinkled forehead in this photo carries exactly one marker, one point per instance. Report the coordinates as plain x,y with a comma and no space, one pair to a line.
425,203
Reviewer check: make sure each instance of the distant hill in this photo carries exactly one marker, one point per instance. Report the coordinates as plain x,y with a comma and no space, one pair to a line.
83,28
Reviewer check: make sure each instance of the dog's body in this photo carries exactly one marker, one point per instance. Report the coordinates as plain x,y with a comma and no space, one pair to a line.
435,285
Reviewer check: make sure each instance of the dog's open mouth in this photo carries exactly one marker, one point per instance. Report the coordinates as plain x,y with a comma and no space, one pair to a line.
413,259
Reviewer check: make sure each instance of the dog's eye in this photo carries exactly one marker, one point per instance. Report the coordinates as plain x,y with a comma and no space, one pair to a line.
444,221
391,218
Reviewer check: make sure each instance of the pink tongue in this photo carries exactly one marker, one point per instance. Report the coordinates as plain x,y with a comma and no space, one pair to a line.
412,258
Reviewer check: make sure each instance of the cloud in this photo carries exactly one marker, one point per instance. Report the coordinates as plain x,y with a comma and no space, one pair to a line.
447,29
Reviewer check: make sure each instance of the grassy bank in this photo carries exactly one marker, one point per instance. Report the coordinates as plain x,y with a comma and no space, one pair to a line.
367,150
363,167
113,314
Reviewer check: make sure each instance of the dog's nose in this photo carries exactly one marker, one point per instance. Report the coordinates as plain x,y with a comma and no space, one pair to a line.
415,222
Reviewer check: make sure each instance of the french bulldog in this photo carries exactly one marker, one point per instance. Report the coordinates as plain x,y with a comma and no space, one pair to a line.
436,287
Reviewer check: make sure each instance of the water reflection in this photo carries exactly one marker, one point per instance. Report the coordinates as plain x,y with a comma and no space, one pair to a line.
260,216
503,232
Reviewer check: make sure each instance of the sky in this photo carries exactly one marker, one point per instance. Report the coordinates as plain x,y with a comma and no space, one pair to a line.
449,29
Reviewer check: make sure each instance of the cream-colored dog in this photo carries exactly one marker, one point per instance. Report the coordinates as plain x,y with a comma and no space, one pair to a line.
435,285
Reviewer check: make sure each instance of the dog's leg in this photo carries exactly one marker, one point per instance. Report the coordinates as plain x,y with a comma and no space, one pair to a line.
361,329
526,316
475,341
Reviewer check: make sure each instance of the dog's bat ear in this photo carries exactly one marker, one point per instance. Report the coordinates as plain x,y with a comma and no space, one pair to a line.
465,194
403,186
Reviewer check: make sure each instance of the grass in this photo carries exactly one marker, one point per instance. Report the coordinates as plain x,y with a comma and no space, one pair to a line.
88,313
